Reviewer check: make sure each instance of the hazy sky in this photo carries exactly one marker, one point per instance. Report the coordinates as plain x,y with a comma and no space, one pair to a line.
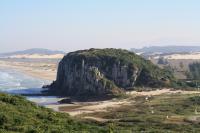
78,24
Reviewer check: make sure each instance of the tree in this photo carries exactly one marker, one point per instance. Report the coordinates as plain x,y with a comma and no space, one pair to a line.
162,61
195,70
181,65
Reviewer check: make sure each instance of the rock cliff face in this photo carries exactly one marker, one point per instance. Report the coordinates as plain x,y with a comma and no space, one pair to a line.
106,71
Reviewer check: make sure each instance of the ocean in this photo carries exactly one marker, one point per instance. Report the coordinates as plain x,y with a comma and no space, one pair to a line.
15,82
12,81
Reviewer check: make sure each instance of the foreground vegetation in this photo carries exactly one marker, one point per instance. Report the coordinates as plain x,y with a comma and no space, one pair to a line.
164,113
21,116
173,113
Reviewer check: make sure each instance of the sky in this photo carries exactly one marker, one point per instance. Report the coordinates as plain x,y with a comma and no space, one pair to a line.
70,25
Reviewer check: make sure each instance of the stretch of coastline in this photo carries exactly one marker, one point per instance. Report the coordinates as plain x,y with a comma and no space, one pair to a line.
42,69
27,76
47,69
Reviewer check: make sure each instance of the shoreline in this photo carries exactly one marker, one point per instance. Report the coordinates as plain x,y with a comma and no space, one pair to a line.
44,71
39,70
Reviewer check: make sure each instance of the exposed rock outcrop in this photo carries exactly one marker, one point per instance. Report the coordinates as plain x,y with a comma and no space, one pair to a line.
105,71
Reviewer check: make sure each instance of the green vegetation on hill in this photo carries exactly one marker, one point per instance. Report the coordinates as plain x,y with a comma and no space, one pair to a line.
151,75
17,115
107,71
194,71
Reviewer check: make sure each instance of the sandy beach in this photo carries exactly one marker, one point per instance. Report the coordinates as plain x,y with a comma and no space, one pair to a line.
41,70
78,108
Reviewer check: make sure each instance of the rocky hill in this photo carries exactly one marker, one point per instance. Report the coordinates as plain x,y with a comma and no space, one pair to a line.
106,71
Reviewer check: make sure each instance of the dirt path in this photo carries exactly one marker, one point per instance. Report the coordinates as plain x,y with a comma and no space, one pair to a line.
98,119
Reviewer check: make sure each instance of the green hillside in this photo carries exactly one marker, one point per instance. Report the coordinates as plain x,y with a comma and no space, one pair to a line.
107,71
17,115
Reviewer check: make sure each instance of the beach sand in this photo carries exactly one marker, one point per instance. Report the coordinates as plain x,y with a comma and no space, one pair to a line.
78,108
41,70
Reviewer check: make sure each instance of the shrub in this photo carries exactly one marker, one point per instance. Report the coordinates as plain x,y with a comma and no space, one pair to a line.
3,119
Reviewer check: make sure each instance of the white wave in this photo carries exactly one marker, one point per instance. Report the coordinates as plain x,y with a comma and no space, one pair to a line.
15,82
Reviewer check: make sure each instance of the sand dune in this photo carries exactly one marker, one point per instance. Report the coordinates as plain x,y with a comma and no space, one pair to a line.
191,56
37,56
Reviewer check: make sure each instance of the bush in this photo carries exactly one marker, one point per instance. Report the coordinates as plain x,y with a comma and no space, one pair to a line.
19,115
194,71
3,119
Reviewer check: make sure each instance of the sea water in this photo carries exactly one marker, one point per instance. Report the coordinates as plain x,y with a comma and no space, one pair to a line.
15,82
12,81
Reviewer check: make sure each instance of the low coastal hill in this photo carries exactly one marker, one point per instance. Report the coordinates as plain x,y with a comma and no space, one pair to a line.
34,53
167,49
106,71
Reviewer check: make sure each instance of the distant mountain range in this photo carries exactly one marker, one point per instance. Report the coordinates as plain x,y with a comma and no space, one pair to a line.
33,53
169,52
166,49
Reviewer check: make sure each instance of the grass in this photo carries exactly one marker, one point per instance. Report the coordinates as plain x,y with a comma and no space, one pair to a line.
165,113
